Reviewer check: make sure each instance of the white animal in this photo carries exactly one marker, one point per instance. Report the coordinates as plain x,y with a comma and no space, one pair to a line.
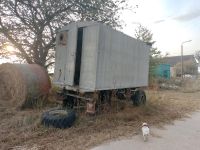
145,131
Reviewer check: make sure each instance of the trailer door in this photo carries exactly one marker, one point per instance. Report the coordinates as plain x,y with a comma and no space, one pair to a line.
71,56
61,50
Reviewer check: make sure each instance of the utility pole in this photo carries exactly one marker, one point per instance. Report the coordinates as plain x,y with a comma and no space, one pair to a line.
182,57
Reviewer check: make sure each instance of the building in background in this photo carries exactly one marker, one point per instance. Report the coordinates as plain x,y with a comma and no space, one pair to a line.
162,71
190,65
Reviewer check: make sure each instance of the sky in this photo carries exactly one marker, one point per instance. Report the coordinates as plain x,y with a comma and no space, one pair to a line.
171,22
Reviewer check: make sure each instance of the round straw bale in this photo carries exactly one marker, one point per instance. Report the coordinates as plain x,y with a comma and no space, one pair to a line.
23,83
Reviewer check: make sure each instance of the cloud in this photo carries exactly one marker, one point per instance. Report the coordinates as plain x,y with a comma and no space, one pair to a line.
188,16
164,19
159,21
134,22
182,18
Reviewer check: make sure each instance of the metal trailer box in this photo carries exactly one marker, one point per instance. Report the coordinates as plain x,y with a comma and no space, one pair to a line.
91,56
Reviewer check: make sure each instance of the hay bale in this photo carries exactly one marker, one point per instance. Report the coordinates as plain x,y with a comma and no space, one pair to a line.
23,83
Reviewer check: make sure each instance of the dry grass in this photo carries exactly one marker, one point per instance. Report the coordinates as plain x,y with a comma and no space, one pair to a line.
191,86
22,129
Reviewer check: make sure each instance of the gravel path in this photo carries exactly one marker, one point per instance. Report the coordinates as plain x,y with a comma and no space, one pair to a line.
183,135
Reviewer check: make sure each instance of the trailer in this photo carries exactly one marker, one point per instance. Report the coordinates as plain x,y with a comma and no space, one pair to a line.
95,62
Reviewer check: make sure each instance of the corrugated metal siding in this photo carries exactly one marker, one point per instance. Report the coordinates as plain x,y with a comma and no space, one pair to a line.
89,58
78,25
59,72
70,58
122,61
110,59
65,58
143,61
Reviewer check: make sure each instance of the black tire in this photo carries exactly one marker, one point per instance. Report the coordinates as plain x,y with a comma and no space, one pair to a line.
58,118
139,98
120,94
105,97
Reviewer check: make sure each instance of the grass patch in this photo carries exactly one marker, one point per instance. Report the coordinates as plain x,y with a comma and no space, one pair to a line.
162,107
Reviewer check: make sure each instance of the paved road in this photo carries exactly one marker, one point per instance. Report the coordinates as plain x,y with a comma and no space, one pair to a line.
183,135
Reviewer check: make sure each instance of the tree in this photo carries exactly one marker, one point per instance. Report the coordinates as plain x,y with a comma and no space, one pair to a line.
197,56
144,34
3,52
31,25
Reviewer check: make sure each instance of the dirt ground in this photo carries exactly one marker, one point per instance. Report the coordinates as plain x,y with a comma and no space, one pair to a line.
21,129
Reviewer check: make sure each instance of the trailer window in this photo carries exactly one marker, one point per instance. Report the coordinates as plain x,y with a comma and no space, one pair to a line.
62,39
78,56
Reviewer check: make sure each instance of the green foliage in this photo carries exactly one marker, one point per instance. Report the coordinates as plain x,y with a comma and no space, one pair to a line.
144,34
30,25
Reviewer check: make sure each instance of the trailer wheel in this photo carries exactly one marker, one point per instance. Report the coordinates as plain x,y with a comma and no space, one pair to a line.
58,118
139,98
121,94
105,99
69,102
